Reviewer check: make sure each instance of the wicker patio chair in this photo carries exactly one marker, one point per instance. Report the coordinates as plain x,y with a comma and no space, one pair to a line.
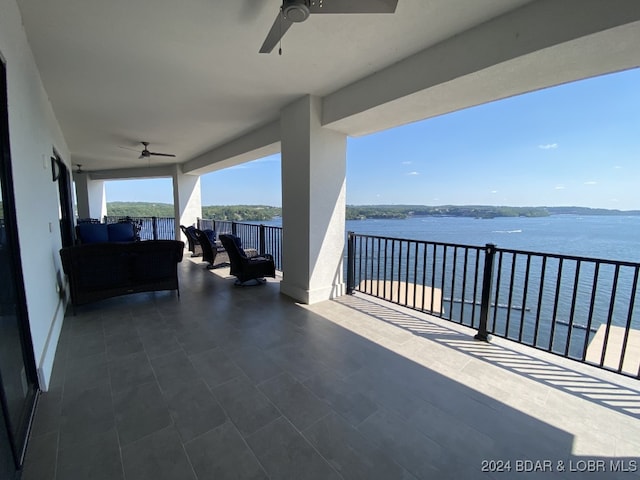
247,270
209,248
193,243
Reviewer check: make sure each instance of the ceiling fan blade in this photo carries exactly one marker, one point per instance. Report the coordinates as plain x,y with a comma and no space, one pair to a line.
162,154
353,6
278,29
129,148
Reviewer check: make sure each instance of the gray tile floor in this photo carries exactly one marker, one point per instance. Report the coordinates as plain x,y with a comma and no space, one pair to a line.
234,383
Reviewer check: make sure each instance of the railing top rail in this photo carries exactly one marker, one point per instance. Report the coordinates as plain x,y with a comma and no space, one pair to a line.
622,263
426,242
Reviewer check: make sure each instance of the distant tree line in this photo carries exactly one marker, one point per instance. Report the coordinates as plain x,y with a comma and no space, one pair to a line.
257,213
232,213
473,211
241,213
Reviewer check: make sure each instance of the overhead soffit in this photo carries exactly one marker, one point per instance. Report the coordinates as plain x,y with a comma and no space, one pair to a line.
186,76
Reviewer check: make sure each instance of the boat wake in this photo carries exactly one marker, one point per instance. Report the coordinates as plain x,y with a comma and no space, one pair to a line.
507,231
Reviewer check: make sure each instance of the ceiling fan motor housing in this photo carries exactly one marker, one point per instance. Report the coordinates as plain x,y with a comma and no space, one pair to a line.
295,10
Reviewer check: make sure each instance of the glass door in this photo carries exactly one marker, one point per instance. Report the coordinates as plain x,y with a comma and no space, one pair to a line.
18,385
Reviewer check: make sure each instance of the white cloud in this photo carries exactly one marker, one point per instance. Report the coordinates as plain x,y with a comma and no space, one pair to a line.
413,173
406,162
560,187
494,191
590,182
618,167
548,146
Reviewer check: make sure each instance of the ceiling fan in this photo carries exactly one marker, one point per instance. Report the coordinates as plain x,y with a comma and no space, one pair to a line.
147,154
296,11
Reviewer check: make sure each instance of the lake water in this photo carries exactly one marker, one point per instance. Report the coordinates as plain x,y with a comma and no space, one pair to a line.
606,237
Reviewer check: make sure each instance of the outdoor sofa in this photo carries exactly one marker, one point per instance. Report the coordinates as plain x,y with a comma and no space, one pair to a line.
102,270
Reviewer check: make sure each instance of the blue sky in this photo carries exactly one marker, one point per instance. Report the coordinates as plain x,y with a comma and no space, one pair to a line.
576,144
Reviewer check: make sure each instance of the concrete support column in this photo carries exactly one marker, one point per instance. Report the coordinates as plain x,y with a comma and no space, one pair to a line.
313,204
90,196
187,200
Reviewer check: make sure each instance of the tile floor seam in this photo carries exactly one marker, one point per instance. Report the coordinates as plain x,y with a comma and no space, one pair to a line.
299,432
253,454
55,464
186,454
331,412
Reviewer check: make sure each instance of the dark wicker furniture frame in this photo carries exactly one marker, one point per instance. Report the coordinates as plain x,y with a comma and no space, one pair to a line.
103,270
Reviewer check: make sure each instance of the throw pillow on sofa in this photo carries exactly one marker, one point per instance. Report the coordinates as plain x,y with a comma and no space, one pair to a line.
121,232
93,232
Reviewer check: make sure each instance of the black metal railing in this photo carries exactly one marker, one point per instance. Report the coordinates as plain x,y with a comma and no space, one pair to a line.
149,228
581,308
264,238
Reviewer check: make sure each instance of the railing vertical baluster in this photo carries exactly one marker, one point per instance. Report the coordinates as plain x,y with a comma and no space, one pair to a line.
406,281
543,271
351,264
573,308
362,285
475,287
464,284
487,280
592,302
632,300
365,281
514,260
384,278
378,269
612,302
444,270
555,305
415,275
525,290
424,272
453,280
393,262
154,226
372,241
262,240
497,294
399,288
433,283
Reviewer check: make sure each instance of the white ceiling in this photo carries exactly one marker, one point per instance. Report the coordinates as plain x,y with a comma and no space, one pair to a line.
187,77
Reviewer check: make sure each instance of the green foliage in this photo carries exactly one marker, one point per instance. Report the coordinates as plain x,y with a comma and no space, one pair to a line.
589,211
241,213
473,211
236,213
262,213
140,209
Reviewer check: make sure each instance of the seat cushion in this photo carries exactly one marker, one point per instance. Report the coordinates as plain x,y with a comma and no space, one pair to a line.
93,232
121,232
211,235
238,241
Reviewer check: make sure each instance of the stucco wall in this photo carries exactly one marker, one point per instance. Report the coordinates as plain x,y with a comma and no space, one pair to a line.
34,133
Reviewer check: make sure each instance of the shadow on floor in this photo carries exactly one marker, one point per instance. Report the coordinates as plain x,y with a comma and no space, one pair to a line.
611,395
